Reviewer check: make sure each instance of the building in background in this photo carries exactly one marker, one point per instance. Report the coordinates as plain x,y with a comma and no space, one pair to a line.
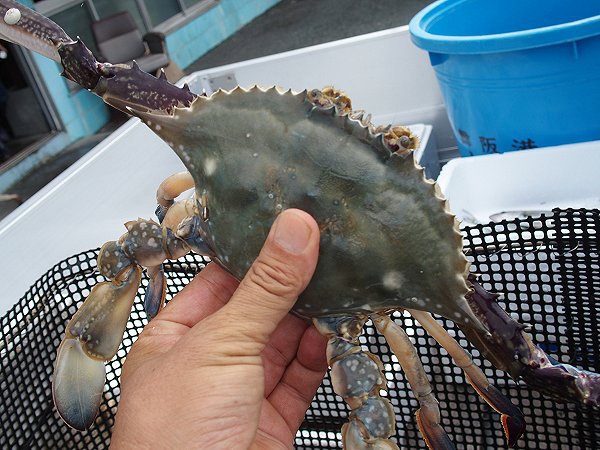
45,112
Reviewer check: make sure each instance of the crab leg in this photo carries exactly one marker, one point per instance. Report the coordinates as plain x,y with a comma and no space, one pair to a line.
149,244
156,290
511,349
428,415
182,216
169,214
170,189
357,376
512,418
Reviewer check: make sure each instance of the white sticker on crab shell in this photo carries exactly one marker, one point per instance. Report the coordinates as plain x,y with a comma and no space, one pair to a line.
210,165
12,16
393,280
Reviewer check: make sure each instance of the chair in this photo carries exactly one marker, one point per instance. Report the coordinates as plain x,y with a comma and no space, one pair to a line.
120,41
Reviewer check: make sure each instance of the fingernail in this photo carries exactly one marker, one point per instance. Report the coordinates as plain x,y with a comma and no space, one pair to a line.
291,232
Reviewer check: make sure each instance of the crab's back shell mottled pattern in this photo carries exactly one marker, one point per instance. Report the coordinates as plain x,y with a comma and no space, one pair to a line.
387,240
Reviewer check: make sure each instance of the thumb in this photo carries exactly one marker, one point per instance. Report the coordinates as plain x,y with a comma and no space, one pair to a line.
281,272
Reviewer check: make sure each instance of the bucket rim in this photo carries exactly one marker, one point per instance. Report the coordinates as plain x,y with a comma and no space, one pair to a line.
494,43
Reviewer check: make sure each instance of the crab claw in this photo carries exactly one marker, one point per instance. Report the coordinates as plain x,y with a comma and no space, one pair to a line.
31,30
92,336
119,85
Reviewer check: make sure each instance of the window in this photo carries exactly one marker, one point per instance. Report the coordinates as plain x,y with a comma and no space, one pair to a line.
76,22
191,3
106,8
75,16
161,10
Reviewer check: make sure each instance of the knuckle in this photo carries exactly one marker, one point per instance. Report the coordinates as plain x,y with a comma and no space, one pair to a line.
275,277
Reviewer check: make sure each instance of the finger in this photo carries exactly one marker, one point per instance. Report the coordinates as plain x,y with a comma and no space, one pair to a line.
206,293
282,349
275,279
201,297
293,395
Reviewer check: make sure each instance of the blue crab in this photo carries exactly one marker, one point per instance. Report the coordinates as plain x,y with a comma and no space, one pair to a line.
251,153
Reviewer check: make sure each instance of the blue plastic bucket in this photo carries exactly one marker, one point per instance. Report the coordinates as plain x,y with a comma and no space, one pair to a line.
515,74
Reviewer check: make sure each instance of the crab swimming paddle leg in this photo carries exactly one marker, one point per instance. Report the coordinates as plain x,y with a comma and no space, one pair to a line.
357,376
171,188
92,337
94,334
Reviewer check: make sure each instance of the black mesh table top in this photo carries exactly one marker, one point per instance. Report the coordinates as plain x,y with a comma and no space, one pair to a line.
547,269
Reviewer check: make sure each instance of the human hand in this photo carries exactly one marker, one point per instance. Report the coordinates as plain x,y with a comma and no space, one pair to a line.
224,366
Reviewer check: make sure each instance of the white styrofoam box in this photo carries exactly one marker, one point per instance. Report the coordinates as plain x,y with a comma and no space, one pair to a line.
394,90
83,207
360,65
483,188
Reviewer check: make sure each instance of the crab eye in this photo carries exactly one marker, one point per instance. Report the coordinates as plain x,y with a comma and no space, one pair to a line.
314,94
404,141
